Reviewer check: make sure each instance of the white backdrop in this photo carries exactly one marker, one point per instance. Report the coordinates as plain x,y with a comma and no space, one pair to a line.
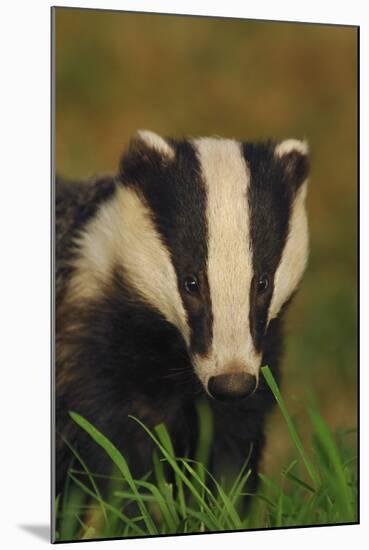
25,269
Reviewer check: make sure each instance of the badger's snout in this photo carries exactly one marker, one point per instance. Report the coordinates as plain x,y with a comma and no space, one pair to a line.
231,386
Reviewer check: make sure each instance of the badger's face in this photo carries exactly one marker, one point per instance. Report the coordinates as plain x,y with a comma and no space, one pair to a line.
212,233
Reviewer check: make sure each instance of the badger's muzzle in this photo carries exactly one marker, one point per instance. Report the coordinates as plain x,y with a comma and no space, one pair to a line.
231,386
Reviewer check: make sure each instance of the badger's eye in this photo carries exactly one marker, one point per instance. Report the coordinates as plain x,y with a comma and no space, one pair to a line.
191,285
263,283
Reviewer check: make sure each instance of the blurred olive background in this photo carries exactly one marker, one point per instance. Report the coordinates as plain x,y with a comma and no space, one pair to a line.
117,72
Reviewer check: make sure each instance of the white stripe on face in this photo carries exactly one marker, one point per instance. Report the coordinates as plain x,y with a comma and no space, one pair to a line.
294,256
230,272
123,234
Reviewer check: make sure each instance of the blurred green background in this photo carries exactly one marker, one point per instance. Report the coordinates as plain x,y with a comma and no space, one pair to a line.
117,72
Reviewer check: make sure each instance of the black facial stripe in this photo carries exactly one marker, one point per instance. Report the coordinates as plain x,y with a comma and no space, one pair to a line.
270,197
175,193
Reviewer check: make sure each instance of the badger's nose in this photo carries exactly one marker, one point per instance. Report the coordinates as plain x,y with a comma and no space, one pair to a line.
231,386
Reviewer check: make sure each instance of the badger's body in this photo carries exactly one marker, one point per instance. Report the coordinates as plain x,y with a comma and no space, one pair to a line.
171,281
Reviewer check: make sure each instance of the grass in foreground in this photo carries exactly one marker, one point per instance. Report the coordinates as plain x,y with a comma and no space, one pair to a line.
319,487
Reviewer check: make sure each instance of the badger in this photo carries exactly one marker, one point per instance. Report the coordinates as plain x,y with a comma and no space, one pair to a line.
172,279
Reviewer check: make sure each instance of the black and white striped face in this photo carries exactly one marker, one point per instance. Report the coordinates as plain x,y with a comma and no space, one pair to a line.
213,234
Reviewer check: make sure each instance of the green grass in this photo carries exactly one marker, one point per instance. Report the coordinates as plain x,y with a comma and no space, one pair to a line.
317,487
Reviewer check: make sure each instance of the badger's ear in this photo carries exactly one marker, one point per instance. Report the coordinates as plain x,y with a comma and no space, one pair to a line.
294,156
148,145
147,140
146,150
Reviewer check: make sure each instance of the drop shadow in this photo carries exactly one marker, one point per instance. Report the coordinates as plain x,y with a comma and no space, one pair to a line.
40,531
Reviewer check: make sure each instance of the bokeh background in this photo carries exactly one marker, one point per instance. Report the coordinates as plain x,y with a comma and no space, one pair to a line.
117,72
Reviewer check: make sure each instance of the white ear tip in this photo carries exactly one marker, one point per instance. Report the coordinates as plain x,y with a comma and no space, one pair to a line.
146,135
154,141
289,145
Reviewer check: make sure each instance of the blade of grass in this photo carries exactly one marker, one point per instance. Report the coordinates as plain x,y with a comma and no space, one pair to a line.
232,515
163,437
192,471
203,518
165,488
242,477
206,428
121,464
161,502
130,495
328,444
89,475
269,483
89,532
291,428
69,524
279,510
299,482
173,463
239,488
109,507
290,467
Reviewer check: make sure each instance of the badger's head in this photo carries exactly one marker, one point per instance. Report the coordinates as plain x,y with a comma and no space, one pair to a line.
212,233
